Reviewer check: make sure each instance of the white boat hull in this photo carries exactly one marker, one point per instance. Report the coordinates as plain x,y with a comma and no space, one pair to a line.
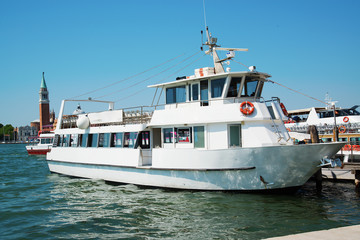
262,168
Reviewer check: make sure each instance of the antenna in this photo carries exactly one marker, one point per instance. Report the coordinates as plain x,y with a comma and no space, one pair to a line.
204,13
202,41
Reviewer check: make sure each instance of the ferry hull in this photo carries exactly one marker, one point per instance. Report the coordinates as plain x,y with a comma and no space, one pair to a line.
37,151
247,169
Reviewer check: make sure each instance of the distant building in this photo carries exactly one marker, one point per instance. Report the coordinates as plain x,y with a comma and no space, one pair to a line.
47,118
27,134
36,124
44,105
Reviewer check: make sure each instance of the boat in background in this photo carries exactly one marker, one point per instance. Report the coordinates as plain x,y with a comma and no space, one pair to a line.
346,122
43,146
214,132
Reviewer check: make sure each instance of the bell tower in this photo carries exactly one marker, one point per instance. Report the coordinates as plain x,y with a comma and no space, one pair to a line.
44,104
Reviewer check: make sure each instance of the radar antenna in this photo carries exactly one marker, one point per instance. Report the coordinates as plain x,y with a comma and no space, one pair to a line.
212,44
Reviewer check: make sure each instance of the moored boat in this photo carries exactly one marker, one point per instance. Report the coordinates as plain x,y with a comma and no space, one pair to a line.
345,121
43,146
214,132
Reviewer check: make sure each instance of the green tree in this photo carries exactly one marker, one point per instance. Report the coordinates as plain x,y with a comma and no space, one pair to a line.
8,130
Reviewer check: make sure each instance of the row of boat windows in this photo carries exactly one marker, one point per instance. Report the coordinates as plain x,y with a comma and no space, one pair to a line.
352,140
196,135
200,90
181,135
46,140
104,140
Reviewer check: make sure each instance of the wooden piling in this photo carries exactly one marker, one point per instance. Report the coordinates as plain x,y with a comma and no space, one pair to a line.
357,180
314,136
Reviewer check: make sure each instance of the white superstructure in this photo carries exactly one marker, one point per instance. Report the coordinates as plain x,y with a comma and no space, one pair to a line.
215,132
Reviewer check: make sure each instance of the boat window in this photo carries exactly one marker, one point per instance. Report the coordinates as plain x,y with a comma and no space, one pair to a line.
104,139
235,135
176,94
143,140
234,87
116,140
66,140
342,139
74,140
195,92
355,140
130,139
42,141
168,135
94,140
56,140
183,135
217,87
189,92
84,139
250,86
199,137
326,139
204,93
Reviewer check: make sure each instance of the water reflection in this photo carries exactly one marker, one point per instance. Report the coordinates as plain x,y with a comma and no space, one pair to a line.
127,211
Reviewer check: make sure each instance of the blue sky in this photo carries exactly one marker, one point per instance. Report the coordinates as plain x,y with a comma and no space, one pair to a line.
310,46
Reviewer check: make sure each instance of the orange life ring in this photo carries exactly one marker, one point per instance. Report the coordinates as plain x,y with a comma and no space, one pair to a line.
342,129
283,108
346,119
288,129
247,108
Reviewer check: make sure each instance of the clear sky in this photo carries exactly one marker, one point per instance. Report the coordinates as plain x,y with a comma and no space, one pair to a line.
83,45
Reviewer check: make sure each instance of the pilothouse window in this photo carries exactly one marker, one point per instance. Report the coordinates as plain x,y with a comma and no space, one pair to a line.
176,94
234,87
250,86
217,87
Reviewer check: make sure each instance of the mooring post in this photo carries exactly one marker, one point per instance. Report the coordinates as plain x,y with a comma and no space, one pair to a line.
357,180
314,136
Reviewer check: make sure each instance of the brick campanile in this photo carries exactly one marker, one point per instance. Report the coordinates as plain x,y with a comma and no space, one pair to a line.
44,104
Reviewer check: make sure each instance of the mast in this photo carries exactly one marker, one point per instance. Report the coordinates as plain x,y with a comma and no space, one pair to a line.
211,43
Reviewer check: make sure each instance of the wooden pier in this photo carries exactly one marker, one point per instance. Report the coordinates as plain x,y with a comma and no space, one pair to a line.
343,233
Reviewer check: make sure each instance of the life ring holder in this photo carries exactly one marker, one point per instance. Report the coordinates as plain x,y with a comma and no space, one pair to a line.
345,119
342,129
247,108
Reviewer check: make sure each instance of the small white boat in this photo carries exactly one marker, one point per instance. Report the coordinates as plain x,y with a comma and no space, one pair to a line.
43,146
215,132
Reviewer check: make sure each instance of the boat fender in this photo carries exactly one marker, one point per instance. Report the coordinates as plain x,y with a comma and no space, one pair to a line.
346,119
342,129
283,108
247,108
83,122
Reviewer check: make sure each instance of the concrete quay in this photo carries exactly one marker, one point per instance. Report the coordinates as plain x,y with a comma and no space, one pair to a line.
343,233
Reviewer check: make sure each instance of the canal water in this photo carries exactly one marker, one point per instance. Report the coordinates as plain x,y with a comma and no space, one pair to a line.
35,204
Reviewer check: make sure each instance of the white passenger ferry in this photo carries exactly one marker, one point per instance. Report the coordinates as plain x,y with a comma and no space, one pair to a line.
215,132
345,120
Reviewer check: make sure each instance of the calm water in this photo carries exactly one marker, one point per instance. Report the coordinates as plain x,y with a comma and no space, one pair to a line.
35,204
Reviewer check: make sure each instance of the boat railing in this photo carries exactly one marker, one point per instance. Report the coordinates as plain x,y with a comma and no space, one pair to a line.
328,128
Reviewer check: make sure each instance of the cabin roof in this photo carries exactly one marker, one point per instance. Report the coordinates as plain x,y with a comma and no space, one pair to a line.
191,79
304,111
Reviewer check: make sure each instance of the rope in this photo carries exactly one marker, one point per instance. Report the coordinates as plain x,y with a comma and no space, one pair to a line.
289,88
161,79
146,79
299,92
147,70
